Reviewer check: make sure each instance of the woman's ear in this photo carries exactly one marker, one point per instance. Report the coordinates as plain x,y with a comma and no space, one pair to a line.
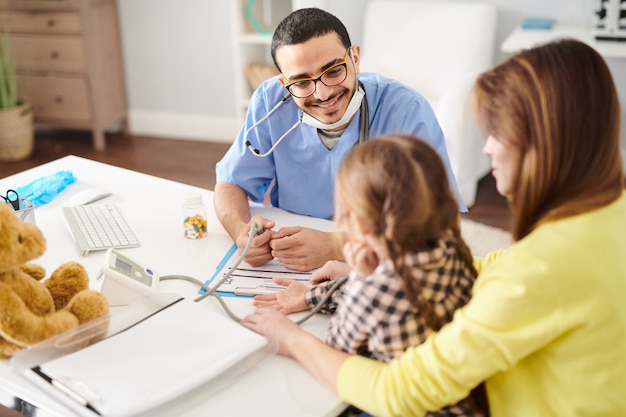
281,79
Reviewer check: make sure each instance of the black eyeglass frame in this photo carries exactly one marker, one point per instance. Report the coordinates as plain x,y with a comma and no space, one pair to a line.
343,64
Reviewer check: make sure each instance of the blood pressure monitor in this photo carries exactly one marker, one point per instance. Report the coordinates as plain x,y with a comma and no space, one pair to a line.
126,280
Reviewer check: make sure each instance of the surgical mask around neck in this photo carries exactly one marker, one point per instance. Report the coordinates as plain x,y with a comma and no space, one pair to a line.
353,107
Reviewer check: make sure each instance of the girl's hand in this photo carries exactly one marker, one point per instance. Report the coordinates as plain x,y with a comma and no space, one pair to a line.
360,257
330,271
274,326
289,300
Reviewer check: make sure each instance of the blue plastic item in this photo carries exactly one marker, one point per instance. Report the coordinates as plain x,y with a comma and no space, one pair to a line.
537,23
43,190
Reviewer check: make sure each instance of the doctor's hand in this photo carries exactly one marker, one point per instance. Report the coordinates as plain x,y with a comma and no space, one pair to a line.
289,300
259,252
304,249
330,271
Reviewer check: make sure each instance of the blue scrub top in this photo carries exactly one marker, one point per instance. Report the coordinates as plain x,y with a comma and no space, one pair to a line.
303,167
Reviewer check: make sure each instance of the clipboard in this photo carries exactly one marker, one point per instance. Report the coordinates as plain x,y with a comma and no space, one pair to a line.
241,286
247,280
143,359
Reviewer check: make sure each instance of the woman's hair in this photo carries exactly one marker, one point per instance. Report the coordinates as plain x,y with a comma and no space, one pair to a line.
557,106
399,187
304,24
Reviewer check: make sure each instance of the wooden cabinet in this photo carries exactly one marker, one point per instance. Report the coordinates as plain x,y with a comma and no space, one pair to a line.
69,62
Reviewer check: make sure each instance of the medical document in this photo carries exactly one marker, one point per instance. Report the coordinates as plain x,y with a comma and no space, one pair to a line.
248,280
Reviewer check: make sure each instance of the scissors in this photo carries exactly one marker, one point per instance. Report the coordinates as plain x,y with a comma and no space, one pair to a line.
12,198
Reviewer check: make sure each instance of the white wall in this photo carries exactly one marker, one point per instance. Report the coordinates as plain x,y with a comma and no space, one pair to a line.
178,66
178,59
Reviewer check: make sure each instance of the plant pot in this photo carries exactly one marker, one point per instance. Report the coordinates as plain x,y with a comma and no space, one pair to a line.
16,133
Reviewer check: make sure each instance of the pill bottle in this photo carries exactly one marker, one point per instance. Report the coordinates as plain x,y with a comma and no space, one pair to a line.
194,216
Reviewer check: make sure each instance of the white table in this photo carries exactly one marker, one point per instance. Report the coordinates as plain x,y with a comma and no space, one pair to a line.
528,38
278,386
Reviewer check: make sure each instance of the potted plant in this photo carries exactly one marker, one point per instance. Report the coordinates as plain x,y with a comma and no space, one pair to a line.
16,116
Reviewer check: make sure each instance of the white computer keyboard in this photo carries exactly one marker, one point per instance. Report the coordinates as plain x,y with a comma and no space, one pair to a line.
98,227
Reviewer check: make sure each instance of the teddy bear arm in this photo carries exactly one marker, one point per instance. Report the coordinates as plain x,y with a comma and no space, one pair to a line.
66,281
38,272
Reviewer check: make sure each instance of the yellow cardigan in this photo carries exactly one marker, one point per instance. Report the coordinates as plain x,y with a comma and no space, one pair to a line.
545,328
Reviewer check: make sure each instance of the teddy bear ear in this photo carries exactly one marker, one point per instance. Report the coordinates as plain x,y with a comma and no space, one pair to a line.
7,215
7,218
4,208
19,242
5,212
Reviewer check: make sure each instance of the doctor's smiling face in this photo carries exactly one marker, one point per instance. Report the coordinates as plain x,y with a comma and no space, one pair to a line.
323,56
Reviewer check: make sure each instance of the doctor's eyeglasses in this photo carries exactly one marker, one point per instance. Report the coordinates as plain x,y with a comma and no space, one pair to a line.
331,76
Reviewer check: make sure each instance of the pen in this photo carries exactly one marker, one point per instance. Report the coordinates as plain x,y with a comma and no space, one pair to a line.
261,289
73,394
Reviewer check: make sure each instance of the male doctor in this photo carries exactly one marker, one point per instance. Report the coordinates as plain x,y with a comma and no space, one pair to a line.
298,128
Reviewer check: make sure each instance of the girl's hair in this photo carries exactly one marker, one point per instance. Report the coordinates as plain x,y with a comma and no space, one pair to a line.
304,24
557,105
398,185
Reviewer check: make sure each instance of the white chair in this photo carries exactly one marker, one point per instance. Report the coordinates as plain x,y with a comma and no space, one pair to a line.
437,48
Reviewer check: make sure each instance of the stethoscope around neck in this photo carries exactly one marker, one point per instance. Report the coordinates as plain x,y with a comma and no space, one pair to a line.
363,127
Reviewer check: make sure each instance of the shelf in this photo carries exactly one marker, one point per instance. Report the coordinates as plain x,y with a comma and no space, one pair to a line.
255,38
528,38
252,47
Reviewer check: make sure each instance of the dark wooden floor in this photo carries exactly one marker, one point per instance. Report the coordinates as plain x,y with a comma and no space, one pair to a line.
192,162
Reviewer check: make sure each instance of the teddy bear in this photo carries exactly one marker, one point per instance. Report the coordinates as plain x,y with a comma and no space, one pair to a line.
33,308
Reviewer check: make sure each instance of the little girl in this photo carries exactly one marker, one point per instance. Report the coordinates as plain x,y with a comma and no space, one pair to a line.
410,268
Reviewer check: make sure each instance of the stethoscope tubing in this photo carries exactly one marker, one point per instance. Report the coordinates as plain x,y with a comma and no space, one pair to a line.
363,130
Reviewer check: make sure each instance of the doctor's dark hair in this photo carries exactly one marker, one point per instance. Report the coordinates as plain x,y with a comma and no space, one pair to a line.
398,186
557,106
304,24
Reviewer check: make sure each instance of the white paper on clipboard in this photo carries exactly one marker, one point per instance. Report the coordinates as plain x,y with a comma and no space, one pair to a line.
165,355
250,280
